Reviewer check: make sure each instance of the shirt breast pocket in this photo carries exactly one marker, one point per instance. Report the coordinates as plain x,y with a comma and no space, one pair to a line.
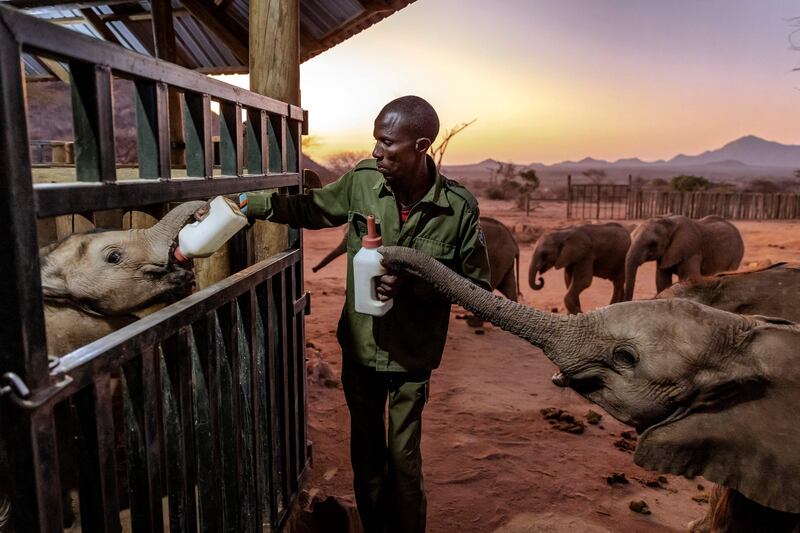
442,251
357,228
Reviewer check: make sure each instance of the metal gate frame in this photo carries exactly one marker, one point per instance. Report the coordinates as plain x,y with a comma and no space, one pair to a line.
213,385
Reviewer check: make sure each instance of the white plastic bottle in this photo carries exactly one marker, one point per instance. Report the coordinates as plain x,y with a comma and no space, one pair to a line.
367,268
204,237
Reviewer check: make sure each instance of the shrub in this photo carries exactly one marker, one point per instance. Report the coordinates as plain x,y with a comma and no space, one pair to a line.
686,183
495,193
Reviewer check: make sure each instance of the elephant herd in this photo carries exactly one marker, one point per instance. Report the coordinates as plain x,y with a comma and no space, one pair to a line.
706,372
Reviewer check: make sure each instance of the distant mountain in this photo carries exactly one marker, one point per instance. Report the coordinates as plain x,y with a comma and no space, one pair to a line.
750,150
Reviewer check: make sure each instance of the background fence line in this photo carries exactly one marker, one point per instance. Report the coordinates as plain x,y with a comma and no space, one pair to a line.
623,202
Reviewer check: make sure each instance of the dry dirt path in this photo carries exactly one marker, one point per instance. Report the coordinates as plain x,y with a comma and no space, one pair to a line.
491,460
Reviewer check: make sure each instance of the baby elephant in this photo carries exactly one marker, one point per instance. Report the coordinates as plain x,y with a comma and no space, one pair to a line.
583,251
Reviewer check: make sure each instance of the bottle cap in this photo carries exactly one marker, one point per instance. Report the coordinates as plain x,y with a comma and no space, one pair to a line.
371,239
179,255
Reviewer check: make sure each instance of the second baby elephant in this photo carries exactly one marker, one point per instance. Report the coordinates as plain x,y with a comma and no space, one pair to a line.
682,246
583,251
501,247
710,392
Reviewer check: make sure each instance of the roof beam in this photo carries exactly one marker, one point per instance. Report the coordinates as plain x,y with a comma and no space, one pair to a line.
225,28
98,24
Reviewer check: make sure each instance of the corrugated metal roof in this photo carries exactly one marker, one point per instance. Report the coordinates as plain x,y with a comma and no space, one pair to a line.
323,24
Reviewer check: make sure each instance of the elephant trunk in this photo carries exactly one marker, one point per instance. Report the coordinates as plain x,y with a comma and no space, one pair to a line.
168,227
632,262
559,336
534,269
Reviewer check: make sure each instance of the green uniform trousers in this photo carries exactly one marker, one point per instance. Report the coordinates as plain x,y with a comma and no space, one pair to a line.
387,467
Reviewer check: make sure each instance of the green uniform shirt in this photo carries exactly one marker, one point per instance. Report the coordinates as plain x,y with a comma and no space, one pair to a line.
444,225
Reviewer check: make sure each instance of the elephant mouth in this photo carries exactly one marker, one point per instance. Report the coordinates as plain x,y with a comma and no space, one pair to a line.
583,385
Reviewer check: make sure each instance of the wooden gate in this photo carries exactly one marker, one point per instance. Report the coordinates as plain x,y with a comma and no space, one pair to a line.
213,408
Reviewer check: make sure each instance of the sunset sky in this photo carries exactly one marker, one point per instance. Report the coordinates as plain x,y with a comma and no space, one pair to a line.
555,80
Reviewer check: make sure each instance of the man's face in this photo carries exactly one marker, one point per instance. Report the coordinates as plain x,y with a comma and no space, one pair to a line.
396,149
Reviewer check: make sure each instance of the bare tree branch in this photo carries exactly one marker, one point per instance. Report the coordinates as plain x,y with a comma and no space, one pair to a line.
437,153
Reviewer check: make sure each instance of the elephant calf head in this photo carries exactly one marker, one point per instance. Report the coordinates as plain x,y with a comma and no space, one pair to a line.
711,392
118,272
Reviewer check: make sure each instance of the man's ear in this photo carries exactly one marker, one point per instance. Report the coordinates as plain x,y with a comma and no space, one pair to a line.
422,144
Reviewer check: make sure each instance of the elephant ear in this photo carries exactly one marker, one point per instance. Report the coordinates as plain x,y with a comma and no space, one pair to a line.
575,247
741,432
685,242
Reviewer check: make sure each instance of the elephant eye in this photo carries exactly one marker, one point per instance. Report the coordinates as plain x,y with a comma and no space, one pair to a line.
114,257
624,357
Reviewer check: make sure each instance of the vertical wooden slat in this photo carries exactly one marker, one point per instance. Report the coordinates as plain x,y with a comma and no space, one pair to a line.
98,470
181,374
175,463
93,121
199,150
283,376
151,409
207,461
258,388
230,139
257,141
152,131
275,142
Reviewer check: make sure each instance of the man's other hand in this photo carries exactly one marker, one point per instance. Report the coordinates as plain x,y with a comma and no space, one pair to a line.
389,285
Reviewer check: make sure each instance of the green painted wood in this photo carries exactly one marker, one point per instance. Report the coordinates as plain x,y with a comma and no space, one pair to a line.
230,139
249,511
93,122
152,130
173,440
136,463
207,472
275,147
256,124
197,134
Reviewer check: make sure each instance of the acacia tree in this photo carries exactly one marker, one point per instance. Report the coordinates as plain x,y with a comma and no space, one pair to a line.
530,182
595,175
437,153
342,162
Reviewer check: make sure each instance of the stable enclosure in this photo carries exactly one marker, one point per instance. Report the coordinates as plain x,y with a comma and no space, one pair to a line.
193,416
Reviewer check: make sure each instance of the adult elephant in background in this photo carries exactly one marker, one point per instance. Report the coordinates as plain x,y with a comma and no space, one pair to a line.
583,251
682,246
711,393
501,247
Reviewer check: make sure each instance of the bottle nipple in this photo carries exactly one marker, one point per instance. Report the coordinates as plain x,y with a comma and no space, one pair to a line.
371,239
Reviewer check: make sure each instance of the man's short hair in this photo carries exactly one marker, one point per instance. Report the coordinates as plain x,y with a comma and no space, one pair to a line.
418,115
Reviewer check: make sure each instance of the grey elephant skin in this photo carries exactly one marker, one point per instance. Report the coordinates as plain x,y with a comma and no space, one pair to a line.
92,283
501,247
773,291
684,247
711,393
583,251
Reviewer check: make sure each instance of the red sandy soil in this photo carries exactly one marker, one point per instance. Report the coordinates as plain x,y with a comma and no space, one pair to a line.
491,460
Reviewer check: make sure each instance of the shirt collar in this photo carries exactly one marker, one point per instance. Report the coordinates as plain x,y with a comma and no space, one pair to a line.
434,194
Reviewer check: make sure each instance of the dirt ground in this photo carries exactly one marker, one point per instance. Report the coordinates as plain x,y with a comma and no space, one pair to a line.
492,462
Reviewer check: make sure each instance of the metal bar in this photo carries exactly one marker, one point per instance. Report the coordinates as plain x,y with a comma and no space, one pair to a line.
36,498
199,152
98,469
52,199
93,121
23,349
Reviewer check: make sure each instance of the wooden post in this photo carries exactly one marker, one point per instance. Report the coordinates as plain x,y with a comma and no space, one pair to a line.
569,196
164,38
274,72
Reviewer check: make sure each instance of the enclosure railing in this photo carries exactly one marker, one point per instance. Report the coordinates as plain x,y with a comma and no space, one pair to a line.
199,407
625,202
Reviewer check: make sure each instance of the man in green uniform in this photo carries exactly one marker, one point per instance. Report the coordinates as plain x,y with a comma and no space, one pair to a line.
392,356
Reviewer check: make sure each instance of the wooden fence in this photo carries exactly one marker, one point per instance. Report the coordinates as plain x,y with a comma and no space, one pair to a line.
625,202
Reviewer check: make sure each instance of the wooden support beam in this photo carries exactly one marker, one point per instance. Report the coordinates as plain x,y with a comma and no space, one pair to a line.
99,24
164,37
230,32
